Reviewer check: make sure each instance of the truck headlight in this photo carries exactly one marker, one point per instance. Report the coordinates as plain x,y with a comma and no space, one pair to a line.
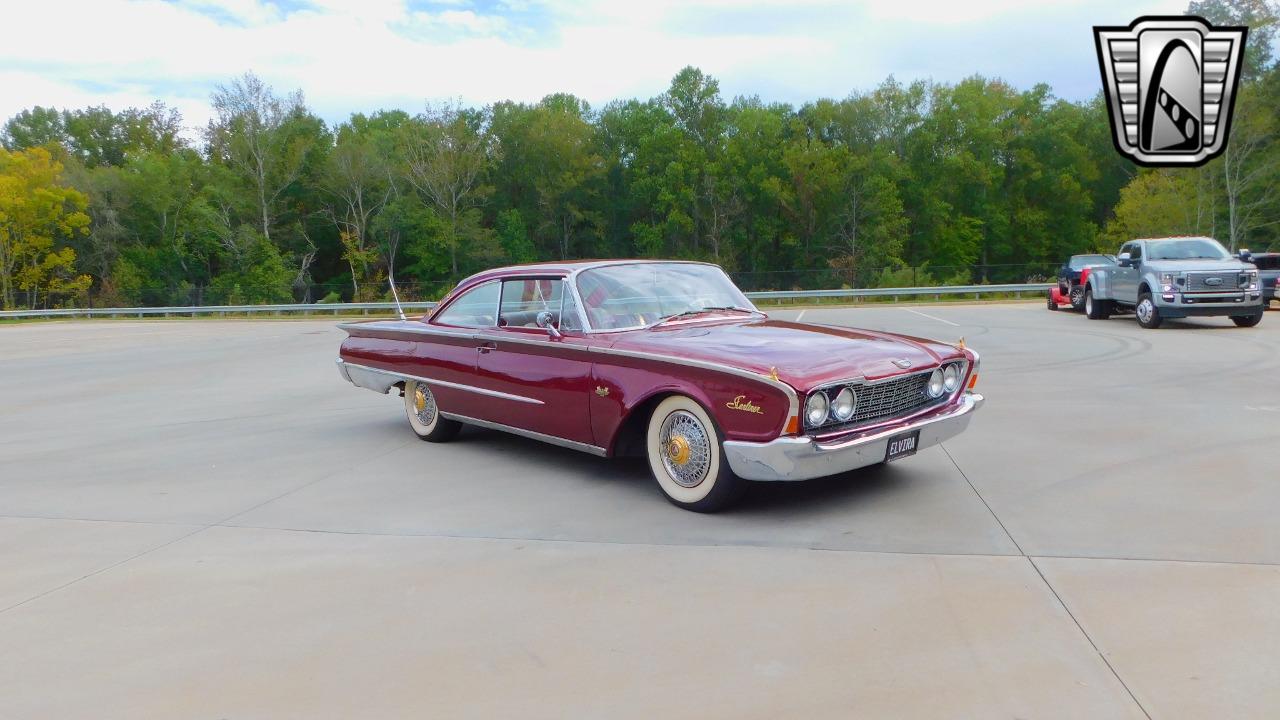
1168,280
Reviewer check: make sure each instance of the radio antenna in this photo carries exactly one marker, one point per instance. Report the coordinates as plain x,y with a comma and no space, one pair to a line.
392,282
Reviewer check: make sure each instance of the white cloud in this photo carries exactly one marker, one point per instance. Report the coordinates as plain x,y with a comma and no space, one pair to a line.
362,55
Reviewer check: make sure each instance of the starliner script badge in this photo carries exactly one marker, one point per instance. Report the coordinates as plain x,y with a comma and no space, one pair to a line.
741,403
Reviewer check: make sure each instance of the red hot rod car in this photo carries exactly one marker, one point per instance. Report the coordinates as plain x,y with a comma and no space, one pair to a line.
669,360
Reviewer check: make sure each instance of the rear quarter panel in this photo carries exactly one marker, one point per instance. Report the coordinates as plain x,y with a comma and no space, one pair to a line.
441,357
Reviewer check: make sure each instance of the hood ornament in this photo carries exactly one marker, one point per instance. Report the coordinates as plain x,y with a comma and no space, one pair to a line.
773,373
902,363
961,343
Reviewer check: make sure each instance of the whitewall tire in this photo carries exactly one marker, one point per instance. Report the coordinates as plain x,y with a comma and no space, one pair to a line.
686,458
424,414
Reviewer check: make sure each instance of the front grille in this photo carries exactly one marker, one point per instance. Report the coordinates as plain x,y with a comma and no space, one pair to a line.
885,400
1200,282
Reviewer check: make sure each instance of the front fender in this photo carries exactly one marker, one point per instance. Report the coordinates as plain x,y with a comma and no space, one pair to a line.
744,408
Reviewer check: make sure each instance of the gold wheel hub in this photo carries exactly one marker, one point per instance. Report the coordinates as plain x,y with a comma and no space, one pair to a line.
419,400
678,450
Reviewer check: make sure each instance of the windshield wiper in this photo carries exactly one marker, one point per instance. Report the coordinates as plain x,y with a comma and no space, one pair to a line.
709,308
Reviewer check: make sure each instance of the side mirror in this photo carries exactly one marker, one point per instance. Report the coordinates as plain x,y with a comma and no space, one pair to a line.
1124,260
546,321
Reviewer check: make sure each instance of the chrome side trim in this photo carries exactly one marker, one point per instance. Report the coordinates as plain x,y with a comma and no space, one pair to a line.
552,439
412,327
793,398
348,367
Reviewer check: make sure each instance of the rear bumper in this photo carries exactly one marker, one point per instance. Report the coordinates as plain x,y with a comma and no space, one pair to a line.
800,458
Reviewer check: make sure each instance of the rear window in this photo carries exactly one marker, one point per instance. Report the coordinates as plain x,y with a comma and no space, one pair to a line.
1079,262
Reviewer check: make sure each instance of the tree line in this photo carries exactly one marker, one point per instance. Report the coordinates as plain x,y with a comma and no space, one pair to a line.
914,183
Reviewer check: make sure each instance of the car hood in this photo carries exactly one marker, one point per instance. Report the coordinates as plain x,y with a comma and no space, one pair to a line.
805,355
1197,266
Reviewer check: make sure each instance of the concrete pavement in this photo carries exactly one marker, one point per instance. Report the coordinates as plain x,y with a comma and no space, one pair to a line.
200,519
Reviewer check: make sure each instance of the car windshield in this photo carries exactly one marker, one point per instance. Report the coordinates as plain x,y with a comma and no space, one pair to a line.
1188,249
1079,262
618,297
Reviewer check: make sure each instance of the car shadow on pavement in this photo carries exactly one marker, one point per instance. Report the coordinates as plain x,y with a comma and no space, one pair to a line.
632,475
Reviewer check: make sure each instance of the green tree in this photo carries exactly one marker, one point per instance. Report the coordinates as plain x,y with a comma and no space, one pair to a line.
38,215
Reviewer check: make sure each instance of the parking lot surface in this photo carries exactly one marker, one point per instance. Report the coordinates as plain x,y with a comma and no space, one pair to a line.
200,519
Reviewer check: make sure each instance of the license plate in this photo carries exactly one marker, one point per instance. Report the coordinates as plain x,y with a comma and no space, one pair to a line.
903,445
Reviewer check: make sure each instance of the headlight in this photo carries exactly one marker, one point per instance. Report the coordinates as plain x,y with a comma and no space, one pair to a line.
1168,280
935,384
951,377
815,409
842,407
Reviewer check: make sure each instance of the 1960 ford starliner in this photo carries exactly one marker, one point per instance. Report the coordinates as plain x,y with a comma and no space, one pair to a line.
669,360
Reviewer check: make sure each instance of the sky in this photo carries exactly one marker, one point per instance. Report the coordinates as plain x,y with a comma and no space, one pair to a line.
363,55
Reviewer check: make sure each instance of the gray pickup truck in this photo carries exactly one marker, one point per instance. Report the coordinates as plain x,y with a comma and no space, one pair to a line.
1175,278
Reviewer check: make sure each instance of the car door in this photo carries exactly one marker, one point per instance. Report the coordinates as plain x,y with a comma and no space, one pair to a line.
444,353
538,382
1124,286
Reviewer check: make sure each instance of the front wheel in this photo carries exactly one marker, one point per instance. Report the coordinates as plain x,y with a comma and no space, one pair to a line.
424,414
686,457
1246,320
1052,305
1147,312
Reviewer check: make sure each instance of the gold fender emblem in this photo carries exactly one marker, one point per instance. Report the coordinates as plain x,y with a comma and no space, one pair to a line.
748,406
602,391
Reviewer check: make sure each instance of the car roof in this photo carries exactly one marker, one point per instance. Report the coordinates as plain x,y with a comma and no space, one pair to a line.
564,267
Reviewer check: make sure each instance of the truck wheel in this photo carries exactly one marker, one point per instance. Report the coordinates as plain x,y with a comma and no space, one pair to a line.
1096,309
1147,312
1077,298
1246,320
1052,305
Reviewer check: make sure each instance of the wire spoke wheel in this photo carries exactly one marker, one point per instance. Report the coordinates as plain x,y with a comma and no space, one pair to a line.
424,404
686,448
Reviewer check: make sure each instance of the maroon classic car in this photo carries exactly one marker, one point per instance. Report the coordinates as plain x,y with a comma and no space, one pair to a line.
668,360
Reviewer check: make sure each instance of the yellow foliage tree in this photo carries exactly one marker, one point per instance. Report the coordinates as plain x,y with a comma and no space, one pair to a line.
37,216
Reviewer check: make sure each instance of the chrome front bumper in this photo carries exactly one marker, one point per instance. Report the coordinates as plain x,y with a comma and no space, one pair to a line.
801,458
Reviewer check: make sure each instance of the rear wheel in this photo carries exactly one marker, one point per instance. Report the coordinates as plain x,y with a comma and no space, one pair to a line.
1246,320
424,414
686,457
1077,298
1096,309
1052,305
1147,312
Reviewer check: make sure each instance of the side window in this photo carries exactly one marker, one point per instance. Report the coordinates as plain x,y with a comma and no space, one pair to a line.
1125,248
1135,251
570,317
522,300
473,308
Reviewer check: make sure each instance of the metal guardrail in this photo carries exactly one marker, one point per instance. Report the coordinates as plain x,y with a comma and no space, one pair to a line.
336,308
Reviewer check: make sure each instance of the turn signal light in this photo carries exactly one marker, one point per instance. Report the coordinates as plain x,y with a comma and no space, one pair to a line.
973,381
793,425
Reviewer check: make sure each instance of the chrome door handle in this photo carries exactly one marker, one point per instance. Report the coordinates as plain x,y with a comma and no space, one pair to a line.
485,348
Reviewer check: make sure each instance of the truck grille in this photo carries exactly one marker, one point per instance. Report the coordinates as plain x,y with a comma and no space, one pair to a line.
1204,282
886,400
